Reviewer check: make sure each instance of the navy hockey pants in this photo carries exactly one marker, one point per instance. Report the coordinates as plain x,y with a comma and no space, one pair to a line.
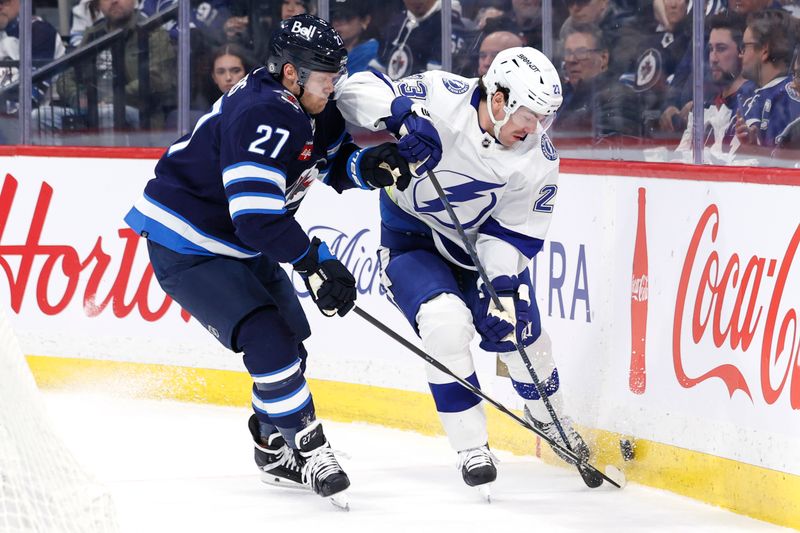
250,306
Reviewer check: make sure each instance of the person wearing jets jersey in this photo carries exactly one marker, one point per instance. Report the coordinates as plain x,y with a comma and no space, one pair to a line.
499,171
219,218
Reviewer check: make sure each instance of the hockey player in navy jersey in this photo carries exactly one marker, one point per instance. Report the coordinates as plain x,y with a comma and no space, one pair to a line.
500,173
219,218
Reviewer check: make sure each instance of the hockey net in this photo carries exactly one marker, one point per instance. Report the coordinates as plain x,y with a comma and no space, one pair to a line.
42,487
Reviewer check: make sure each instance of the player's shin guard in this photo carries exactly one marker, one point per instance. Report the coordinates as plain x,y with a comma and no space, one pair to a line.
445,326
275,361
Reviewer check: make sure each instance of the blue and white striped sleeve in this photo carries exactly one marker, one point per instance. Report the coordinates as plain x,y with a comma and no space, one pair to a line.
255,153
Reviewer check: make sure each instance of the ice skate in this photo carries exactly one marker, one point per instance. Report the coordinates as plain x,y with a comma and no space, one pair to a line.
320,470
279,464
478,469
576,443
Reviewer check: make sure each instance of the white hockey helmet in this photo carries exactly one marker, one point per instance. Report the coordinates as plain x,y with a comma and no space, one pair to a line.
533,84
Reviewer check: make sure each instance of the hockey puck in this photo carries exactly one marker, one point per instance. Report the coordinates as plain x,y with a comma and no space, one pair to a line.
627,448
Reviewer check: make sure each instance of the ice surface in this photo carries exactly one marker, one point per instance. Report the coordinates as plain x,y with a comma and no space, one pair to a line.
174,467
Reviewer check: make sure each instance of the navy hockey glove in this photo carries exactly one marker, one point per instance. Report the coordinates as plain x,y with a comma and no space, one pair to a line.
379,166
499,329
331,285
419,141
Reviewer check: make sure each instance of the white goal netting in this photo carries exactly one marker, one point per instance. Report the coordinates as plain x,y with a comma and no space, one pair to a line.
42,487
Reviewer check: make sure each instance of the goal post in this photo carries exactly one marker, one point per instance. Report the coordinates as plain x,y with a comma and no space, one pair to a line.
42,486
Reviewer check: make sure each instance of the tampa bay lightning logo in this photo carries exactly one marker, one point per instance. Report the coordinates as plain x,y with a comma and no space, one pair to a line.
455,86
548,149
462,189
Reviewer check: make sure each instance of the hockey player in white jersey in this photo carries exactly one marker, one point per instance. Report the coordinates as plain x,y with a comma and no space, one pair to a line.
499,171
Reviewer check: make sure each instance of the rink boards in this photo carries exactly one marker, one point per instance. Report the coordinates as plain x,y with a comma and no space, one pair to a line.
718,418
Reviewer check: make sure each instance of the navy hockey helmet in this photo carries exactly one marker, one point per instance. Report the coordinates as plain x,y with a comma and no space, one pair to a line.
310,44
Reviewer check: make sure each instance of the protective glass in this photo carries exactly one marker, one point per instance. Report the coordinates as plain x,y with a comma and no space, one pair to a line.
325,84
525,118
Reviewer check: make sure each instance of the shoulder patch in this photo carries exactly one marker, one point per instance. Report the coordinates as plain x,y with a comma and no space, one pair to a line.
455,86
548,149
792,92
648,69
289,98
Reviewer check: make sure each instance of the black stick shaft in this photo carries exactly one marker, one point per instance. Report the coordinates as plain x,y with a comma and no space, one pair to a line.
500,407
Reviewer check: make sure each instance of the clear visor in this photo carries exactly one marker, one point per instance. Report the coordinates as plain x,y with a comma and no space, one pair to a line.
325,84
523,117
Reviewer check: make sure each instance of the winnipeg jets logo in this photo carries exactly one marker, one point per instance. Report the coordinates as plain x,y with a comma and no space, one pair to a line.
471,199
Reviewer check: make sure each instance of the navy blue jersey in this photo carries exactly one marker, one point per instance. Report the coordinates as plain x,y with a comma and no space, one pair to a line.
232,186
772,108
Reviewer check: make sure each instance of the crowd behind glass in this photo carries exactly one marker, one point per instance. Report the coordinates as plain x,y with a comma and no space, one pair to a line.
106,72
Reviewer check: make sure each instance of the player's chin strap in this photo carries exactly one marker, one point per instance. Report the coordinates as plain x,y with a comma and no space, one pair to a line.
497,123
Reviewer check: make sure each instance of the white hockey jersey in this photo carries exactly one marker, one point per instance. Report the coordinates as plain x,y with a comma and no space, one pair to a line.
503,196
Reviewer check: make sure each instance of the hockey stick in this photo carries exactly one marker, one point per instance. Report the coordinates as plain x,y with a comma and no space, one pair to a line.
592,482
478,392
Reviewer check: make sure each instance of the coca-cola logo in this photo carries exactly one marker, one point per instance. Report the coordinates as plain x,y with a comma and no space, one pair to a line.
734,299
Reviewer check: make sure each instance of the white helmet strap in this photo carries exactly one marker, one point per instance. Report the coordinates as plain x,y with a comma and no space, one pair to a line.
497,123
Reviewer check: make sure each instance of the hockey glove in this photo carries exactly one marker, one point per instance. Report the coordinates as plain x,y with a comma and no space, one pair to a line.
419,141
379,166
331,285
500,330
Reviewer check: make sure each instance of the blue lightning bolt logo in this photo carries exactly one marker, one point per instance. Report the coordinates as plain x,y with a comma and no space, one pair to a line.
463,192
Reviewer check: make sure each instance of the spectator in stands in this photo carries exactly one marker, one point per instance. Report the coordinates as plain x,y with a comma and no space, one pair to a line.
412,41
161,94
745,7
351,19
491,9
619,29
84,14
788,142
290,8
732,90
525,19
658,64
493,44
229,63
767,47
46,46
595,104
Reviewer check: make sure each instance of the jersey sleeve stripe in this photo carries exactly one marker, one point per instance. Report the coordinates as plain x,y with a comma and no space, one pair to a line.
332,149
526,244
268,204
255,172
182,230
385,80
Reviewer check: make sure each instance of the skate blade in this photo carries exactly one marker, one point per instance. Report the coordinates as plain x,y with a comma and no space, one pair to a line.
276,481
341,501
485,491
